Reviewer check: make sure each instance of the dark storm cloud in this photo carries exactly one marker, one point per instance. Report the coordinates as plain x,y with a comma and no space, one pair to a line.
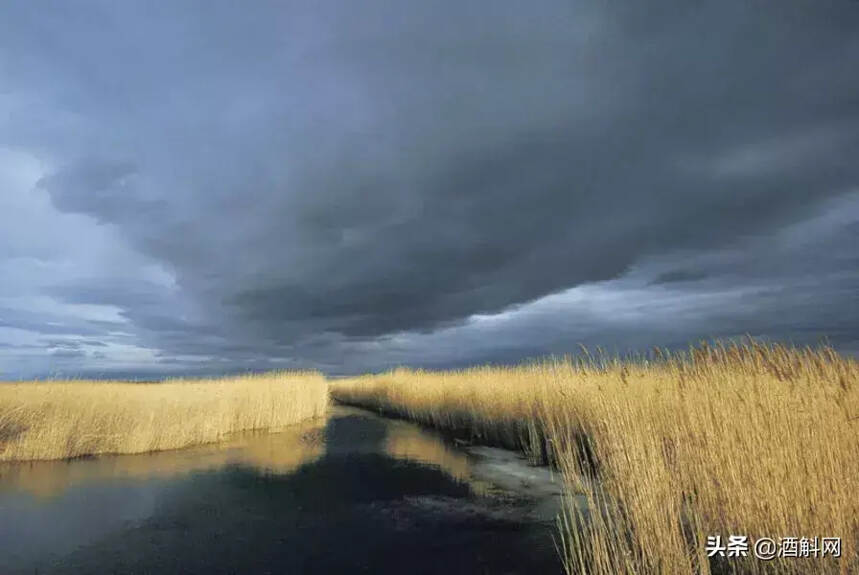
319,176
98,187
679,276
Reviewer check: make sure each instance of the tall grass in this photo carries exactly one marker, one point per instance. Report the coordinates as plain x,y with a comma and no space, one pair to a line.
748,439
63,419
278,453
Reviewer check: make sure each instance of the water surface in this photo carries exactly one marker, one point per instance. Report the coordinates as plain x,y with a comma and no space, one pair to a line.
353,492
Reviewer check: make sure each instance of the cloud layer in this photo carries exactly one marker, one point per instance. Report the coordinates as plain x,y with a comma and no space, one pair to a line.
204,187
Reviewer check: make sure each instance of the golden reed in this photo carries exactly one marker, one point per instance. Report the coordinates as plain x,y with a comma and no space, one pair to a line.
63,419
756,440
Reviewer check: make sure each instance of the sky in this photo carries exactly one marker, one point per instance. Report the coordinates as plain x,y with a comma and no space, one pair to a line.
197,187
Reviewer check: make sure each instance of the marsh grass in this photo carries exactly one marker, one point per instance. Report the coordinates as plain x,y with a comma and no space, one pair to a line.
64,419
756,440
279,452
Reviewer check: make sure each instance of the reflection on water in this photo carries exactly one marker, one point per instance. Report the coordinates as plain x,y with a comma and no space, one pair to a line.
49,508
351,492
280,452
408,442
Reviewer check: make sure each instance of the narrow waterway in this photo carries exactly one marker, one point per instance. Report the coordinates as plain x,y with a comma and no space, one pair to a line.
354,492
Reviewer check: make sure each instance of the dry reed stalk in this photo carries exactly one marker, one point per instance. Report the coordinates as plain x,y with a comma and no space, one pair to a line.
63,419
752,439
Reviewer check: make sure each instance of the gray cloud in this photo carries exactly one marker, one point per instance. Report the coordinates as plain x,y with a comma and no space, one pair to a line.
318,183
68,353
679,276
101,188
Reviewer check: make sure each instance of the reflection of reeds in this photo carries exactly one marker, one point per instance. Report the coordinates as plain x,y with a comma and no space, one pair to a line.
278,452
753,440
410,443
62,419
405,442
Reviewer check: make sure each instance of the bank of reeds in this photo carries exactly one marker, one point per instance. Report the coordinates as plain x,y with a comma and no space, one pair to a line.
755,440
64,419
265,452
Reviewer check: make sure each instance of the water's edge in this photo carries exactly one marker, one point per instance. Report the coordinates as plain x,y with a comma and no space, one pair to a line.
352,492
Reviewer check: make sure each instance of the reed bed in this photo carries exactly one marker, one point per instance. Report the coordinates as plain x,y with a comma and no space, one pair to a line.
268,453
65,419
755,440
